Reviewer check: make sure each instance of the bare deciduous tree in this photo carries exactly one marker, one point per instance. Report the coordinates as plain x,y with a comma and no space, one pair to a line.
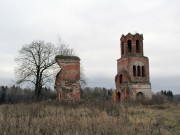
36,61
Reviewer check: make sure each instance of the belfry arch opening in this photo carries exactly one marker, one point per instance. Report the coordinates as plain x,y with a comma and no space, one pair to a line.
137,46
129,46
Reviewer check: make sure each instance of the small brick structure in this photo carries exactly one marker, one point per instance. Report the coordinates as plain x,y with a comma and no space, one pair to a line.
67,83
132,79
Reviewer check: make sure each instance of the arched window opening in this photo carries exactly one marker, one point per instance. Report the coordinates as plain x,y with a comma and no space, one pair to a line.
134,70
118,95
122,49
140,96
120,79
139,71
143,71
137,46
129,46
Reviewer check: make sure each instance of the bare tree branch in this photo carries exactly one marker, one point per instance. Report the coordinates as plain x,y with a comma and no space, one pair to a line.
36,60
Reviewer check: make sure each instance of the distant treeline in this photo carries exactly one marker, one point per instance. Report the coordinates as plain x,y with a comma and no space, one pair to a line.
16,94
167,93
96,92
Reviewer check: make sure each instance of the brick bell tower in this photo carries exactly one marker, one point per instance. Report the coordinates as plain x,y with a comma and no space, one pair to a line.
132,79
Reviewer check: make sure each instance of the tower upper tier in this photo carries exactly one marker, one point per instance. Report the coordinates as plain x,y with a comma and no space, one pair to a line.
131,45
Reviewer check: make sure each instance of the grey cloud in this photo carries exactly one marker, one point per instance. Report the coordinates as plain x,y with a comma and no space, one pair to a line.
166,83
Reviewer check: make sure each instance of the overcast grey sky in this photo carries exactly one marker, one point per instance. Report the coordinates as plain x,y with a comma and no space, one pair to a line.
93,28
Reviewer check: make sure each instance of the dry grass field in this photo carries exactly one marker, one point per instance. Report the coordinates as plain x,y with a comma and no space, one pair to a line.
98,117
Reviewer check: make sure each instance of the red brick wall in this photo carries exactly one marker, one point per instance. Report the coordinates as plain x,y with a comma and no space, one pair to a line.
68,78
128,59
127,64
125,67
71,71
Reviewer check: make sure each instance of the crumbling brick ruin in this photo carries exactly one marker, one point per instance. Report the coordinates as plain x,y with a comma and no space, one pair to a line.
132,79
67,83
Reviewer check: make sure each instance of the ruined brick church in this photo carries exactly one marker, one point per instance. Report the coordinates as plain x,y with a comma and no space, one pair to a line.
67,84
132,79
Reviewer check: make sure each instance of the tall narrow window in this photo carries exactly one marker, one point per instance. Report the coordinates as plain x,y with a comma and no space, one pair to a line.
139,71
137,46
122,48
120,79
143,71
134,70
129,46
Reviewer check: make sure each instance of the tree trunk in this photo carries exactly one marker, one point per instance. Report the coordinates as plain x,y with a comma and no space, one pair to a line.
37,84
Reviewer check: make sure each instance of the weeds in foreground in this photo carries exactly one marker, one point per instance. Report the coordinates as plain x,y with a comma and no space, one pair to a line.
89,117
